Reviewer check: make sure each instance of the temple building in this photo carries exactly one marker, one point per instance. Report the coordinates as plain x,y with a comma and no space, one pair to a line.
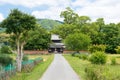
56,45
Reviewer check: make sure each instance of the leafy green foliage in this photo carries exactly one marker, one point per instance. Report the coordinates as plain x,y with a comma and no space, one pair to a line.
40,39
113,61
6,50
99,72
19,24
80,55
117,50
25,58
69,16
111,37
98,58
95,72
75,54
5,59
77,41
64,30
94,48
83,56
102,72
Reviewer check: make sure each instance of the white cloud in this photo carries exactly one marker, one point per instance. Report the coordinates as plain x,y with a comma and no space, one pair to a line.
1,17
35,3
52,13
108,9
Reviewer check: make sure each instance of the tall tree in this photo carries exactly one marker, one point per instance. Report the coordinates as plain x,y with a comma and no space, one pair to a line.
18,24
82,20
64,30
111,37
69,16
40,39
77,41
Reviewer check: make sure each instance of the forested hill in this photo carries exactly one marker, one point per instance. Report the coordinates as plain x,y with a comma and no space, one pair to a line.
45,23
49,23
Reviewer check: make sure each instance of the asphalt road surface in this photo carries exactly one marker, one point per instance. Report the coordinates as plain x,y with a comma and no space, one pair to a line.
59,70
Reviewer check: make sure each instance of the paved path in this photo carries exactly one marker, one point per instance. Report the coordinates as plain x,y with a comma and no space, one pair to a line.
59,70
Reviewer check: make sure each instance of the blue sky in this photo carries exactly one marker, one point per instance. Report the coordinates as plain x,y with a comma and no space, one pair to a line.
107,9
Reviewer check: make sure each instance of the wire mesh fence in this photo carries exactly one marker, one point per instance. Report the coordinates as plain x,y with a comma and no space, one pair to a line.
7,71
10,70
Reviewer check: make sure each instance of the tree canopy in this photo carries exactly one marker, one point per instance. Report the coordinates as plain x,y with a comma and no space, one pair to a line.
77,41
18,24
98,31
40,39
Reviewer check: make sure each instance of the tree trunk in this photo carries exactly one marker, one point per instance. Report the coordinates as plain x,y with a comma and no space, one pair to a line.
19,62
21,50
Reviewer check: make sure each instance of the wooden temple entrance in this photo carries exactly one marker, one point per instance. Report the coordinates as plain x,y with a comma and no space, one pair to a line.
56,46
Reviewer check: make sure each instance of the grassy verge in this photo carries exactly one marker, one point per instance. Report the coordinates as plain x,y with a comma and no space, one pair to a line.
38,70
79,65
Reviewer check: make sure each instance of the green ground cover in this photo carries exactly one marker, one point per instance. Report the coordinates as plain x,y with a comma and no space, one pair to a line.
38,70
79,65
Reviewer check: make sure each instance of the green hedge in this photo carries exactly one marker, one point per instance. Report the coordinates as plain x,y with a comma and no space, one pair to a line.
94,48
5,50
98,58
5,59
117,50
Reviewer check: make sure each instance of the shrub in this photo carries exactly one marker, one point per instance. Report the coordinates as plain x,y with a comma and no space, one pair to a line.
95,48
117,50
25,58
98,72
75,54
113,60
95,72
5,60
83,56
77,41
6,50
98,58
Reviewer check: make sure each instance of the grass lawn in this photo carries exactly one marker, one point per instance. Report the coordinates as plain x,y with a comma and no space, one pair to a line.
79,65
38,70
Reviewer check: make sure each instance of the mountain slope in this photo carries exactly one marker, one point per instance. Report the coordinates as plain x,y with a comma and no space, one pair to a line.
48,23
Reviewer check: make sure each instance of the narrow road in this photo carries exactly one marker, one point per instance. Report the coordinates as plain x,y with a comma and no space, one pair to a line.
59,70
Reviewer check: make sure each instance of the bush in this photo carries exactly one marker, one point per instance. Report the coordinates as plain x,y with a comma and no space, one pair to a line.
75,54
98,58
77,41
83,56
117,50
6,50
5,60
95,72
98,72
25,58
113,61
95,48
